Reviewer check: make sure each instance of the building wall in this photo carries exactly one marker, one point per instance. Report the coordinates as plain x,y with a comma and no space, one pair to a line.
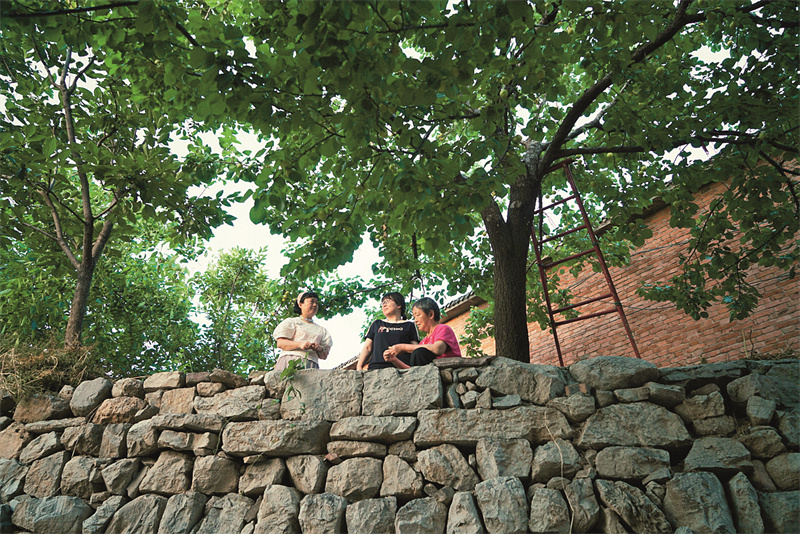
665,335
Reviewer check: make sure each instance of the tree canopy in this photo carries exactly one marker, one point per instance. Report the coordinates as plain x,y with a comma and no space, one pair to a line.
430,126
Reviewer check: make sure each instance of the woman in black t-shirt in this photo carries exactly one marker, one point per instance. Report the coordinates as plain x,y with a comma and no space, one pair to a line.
384,333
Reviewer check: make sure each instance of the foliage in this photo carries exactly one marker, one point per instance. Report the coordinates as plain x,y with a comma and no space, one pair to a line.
138,321
84,150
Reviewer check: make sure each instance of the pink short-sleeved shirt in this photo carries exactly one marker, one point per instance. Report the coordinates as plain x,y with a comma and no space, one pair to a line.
442,332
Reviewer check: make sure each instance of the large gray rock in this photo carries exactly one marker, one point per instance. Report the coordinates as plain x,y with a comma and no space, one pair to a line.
140,516
142,439
371,516
60,515
41,408
128,387
308,472
780,384
241,404
421,386
13,439
182,513
400,480
372,428
114,444
323,395
97,522
275,438
44,477
171,474
446,465
502,503
24,512
178,400
724,456
789,427
257,477
549,512
322,514
576,408
533,383
118,475
781,511
278,512
633,507
614,372
463,517
555,459
630,463
81,477
784,470
189,422
214,475
165,380
89,395
42,446
225,515
701,407
421,516
744,505
466,427
503,457
355,479
12,479
85,439
694,375
763,442
581,499
634,425
697,501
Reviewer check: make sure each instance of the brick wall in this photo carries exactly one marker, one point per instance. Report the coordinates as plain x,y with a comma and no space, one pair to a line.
665,335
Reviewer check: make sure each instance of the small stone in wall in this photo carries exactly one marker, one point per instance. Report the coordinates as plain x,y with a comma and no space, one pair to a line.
630,463
355,479
760,411
421,516
12,479
744,505
279,510
446,465
118,410
632,505
549,512
697,501
371,516
41,408
62,514
81,477
89,395
404,449
780,510
42,446
785,471
213,475
503,457
96,524
614,372
178,400
259,476
128,387
719,455
143,514
701,407
322,514
502,503
555,458
763,442
182,512
665,395
355,449
166,380
724,425
576,408
209,389
171,474
44,476
582,502
400,479
462,516
85,439
308,472
119,474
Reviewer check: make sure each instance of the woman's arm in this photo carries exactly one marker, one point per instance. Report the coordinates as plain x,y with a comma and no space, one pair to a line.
284,343
366,351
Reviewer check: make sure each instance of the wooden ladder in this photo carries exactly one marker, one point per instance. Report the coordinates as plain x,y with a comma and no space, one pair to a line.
538,246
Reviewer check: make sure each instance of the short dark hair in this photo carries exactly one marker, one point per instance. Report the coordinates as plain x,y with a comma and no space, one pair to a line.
304,296
398,299
428,305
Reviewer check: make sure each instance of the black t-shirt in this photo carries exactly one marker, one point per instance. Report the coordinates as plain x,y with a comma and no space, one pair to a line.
385,334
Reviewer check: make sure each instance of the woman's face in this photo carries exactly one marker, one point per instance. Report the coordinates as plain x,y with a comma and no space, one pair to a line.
424,321
389,307
309,307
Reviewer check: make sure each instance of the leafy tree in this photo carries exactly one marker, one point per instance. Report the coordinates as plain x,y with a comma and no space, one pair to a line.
438,123
138,321
84,150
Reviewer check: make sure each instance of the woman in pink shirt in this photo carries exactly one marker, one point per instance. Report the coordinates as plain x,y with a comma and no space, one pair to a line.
440,342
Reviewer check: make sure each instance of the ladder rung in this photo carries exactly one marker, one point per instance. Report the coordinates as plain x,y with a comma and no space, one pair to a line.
562,234
559,165
554,204
578,255
587,301
589,316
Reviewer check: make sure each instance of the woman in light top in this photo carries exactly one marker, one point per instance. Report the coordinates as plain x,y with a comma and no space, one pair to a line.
384,333
300,338
440,342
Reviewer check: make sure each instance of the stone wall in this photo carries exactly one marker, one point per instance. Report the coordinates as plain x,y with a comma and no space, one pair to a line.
610,445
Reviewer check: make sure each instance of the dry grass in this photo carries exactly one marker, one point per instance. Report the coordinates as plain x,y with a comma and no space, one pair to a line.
27,370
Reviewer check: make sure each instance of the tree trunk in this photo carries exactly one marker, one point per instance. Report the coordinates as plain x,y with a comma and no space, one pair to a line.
510,306
77,311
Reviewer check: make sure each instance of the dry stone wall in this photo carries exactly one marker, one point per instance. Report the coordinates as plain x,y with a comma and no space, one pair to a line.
611,445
